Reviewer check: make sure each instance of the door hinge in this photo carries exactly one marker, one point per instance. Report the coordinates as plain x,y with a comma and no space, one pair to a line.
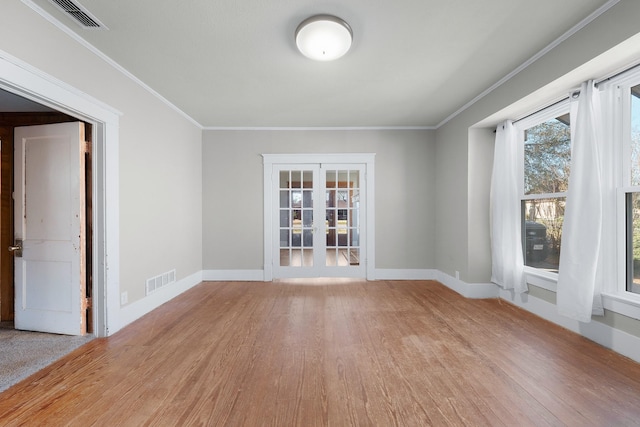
87,303
87,147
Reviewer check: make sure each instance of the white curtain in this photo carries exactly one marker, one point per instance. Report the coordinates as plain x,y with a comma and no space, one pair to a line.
506,240
579,284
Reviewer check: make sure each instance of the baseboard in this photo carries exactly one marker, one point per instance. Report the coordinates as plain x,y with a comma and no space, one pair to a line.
137,309
614,339
233,275
400,274
468,290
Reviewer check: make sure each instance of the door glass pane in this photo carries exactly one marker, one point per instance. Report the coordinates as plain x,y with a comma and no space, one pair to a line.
296,179
284,238
307,199
296,218
307,181
342,218
284,179
284,198
296,258
331,179
284,219
285,257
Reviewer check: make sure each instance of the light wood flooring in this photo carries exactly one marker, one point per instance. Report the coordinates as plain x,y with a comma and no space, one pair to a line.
332,352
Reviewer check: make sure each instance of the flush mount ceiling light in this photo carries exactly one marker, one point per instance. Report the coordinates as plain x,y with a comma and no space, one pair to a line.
323,37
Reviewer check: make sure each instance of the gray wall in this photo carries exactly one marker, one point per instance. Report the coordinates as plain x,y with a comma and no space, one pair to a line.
405,171
464,154
464,145
160,168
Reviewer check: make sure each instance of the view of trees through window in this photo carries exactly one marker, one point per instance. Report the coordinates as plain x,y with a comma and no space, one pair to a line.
547,159
633,202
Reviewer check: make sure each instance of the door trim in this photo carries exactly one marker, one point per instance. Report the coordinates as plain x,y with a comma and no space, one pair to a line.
23,79
367,159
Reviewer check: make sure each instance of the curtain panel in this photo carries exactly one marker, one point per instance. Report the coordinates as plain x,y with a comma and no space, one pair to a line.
579,281
507,262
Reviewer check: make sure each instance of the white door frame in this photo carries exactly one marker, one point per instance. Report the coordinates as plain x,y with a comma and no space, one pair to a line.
22,79
367,159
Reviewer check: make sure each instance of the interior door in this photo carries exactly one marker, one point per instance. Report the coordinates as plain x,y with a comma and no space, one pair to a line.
318,220
49,248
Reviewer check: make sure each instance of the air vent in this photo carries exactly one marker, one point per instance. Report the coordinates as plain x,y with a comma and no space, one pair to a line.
79,14
157,282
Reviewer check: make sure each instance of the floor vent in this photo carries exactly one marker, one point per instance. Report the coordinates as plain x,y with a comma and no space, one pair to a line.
79,14
155,283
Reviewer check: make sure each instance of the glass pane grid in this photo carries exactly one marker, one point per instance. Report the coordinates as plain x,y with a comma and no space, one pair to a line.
296,218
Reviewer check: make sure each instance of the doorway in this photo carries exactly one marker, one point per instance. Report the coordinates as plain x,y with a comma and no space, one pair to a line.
32,84
319,216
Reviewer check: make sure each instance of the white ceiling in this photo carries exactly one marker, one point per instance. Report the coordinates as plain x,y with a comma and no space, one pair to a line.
413,63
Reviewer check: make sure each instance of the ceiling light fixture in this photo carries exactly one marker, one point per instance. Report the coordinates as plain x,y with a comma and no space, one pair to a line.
323,37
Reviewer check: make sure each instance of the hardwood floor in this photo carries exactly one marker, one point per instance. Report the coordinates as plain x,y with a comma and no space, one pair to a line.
332,352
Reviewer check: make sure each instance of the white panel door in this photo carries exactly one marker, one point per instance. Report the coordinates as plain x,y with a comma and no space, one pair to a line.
49,194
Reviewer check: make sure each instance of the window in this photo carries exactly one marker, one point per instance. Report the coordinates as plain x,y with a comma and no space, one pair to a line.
546,159
631,132
621,116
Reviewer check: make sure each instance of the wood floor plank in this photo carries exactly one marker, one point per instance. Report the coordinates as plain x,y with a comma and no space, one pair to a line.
332,352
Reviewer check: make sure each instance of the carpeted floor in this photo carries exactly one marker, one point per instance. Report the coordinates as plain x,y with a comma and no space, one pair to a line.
24,353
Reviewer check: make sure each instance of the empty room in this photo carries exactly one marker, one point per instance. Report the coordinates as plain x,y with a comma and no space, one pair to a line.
321,213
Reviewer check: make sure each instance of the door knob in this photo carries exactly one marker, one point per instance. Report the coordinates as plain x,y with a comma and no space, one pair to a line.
17,248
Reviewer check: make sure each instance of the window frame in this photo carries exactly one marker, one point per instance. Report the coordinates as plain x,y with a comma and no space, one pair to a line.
537,276
616,107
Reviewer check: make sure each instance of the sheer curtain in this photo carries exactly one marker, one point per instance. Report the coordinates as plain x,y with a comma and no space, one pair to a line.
506,241
578,281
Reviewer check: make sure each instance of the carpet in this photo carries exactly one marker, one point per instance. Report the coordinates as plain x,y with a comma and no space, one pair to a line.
24,353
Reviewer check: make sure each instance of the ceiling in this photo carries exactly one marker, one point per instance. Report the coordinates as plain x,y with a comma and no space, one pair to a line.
234,64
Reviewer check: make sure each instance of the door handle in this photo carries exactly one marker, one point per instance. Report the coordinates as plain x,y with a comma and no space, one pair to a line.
17,248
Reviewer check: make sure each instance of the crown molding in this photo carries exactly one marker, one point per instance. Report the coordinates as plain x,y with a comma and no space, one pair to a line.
580,25
317,128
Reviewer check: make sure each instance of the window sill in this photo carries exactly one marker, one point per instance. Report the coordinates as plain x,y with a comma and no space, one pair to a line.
625,303
541,278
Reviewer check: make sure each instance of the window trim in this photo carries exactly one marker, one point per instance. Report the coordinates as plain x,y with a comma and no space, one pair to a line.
616,106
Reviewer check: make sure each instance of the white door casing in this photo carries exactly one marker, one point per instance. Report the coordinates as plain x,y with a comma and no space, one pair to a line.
49,193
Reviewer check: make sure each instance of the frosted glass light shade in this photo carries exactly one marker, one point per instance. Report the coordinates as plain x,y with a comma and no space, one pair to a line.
323,37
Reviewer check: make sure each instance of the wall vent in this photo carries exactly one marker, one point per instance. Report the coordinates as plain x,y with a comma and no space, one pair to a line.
79,14
157,282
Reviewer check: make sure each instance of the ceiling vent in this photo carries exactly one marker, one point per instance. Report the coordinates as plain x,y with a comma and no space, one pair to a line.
79,14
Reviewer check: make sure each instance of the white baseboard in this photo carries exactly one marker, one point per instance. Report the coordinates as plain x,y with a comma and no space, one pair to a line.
399,274
233,275
137,309
614,339
468,290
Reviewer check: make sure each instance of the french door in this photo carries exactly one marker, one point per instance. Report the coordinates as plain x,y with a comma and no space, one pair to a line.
318,220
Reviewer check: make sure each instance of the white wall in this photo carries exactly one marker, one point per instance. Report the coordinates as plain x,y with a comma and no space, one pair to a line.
160,169
232,193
